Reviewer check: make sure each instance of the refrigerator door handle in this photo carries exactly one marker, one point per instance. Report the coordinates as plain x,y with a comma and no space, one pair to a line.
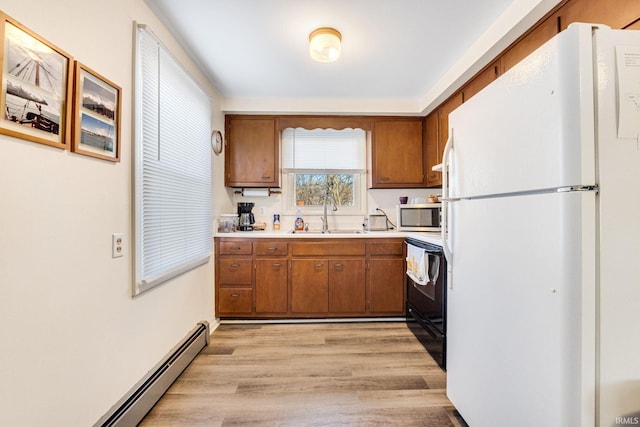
445,202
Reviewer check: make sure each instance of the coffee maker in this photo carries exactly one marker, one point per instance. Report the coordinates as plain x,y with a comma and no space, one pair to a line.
246,218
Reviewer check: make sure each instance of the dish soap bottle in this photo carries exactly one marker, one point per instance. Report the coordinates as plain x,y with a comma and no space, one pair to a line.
299,224
276,222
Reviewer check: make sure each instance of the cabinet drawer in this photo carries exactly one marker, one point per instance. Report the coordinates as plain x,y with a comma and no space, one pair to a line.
327,248
271,248
235,248
386,248
234,271
235,300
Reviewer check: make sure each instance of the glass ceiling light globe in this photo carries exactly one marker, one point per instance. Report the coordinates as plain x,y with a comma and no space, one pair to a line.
324,44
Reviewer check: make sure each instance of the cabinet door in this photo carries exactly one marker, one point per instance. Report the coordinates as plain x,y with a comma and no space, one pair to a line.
614,13
433,152
347,286
443,120
397,155
536,38
481,80
309,286
386,286
271,285
252,154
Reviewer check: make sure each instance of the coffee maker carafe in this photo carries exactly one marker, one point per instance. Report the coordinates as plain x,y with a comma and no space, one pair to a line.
246,218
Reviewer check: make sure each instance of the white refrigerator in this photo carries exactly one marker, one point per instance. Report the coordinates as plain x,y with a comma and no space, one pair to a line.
542,236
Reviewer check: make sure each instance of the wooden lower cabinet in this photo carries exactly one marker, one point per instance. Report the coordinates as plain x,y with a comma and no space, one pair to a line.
309,278
235,300
309,286
347,286
386,285
271,286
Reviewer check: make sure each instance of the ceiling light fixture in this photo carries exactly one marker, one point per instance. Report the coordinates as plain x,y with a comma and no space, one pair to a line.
324,44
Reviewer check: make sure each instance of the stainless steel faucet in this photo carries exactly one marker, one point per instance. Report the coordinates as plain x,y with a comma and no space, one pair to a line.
328,194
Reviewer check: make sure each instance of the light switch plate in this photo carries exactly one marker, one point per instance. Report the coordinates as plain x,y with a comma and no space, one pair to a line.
117,245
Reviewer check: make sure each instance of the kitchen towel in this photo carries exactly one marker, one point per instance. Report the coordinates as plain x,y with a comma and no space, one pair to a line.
417,265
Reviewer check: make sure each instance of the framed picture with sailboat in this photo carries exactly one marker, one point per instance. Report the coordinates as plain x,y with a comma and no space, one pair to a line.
37,80
96,115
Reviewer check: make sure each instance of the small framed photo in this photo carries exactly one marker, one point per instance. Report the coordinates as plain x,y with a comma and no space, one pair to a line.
96,115
37,80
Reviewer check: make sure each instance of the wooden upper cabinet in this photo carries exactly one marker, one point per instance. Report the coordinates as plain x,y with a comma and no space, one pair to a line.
443,119
433,151
533,40
614,13
481,80
252,155
397,154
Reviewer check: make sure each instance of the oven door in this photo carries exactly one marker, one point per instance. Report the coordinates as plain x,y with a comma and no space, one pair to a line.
426,304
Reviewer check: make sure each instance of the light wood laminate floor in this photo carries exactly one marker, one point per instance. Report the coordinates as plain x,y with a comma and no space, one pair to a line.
319,374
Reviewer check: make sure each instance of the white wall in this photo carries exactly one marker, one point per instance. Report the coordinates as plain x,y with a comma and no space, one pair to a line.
385,199
73,339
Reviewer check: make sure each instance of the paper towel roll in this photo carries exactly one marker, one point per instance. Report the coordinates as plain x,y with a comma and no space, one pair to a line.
256,192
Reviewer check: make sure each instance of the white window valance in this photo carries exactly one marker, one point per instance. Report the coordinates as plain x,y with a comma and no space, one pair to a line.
329,150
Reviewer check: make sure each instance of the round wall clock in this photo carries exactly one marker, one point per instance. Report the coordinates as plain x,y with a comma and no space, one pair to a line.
216,141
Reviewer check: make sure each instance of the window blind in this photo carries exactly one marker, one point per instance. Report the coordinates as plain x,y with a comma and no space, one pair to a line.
328,150
173,166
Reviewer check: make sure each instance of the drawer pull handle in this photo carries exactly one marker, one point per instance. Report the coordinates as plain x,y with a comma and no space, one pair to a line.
235,295
277,265
266,177
337,265
319,265
235,265
235,248
272,249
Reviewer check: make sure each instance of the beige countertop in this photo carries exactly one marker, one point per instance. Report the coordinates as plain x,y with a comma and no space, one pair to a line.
430,237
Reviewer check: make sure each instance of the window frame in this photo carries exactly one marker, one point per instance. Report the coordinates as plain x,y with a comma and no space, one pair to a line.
289,173
359,194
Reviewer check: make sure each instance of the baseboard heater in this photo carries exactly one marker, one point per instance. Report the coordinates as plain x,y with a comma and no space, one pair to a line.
133,407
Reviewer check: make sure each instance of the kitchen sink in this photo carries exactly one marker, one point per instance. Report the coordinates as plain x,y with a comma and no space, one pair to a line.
335,231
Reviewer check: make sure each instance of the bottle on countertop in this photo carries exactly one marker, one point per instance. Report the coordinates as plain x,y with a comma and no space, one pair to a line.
299,224
276,221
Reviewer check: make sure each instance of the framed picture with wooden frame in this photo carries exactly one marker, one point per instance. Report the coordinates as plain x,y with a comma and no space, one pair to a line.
96,115
37,80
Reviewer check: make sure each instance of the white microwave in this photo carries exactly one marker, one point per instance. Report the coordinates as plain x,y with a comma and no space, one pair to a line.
420,217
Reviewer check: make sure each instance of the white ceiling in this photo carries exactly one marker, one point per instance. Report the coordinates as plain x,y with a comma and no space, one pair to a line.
398,56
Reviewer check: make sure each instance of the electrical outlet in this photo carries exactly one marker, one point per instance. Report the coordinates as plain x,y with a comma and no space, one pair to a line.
117,245
262,210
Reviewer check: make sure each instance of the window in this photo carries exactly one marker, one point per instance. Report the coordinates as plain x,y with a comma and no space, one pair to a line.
321,160
172,166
